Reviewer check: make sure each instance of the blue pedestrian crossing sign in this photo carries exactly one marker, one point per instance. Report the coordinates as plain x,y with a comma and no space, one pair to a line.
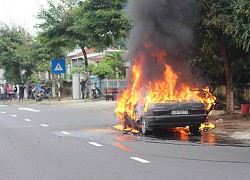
58,66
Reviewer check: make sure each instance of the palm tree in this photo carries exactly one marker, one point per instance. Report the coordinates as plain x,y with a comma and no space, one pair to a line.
117,56
119,61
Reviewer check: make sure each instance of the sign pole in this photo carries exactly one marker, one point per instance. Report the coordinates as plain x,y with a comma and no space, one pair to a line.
59,90
58,67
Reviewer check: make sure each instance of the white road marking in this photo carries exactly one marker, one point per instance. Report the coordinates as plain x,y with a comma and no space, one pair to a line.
3,112
44,125
2,105
140,160
29,109
28,120
95,144
64,132
13,115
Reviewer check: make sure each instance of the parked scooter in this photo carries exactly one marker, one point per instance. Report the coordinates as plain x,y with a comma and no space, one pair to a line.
41,94
96,92
10,94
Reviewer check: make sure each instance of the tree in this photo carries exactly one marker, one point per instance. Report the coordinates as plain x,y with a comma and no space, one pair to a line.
16,53
55,21
87,23
99,24
117,61
217,26
241,72
241,23
81,69
103,70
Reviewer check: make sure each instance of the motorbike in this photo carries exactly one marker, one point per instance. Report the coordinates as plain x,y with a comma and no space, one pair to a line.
10,94
41,94
96,92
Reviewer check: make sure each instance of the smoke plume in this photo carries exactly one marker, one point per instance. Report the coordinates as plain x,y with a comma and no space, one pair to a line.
165,25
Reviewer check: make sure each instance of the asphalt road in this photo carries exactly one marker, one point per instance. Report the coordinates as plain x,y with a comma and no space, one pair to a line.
51,142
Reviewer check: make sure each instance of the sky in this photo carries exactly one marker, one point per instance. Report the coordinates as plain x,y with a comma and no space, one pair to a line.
21,12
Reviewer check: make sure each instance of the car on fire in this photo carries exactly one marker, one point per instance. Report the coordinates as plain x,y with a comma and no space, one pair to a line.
171,114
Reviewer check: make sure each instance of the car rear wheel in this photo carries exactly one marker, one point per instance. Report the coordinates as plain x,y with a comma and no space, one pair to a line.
144,127
194,129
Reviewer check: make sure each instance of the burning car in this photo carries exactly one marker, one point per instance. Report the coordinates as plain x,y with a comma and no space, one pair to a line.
175,114
163,106
170,114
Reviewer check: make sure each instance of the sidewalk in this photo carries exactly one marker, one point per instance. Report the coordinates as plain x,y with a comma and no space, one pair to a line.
237,127
95,105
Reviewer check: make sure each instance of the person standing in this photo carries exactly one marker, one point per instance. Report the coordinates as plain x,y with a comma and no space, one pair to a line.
1,91
29,91
15,92
5,96
83,86
38,86
21,91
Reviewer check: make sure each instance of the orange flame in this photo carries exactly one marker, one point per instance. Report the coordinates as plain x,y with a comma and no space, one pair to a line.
166,89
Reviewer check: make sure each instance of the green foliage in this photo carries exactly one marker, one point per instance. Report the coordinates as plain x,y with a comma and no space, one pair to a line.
43,66
75,70
103,70
229,18
217,27
20,51
100,23
109,67
241,23
222,41
116,60
55,21
117,56
91,66
33,78
89,23
211,70
241,72
16,47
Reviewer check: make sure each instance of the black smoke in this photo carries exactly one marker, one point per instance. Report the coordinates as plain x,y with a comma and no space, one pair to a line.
168,26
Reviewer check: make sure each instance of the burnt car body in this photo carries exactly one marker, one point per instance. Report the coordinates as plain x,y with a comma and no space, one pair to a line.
173,114
170,114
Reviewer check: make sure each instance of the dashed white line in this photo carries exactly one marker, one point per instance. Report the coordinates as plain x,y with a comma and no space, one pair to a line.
29,109
66,133
3,112
140,160
2,105
95,144
28,120
13,115
44,125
